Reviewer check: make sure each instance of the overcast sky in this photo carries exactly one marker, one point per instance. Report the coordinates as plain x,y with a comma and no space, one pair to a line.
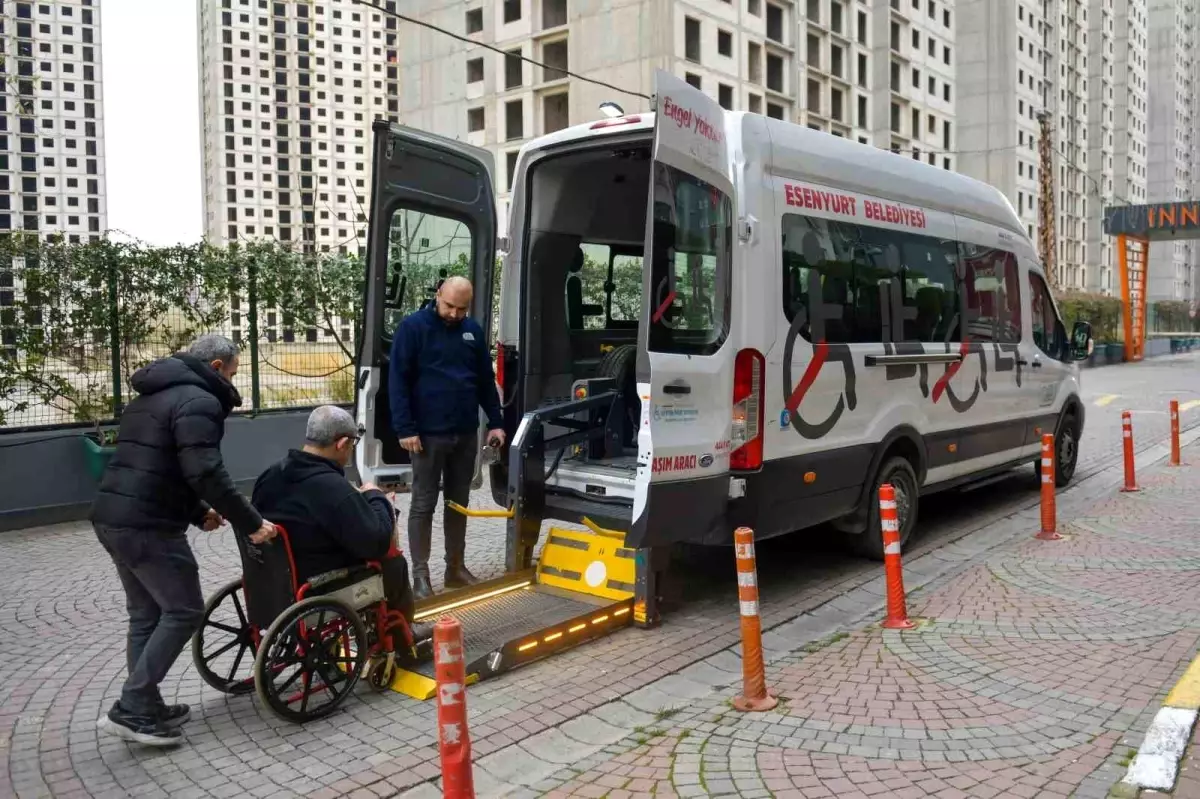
152,119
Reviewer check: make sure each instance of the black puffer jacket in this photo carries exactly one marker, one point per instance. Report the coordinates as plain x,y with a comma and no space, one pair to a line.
330,524
167,470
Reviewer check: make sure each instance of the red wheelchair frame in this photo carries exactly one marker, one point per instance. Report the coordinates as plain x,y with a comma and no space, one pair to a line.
321,633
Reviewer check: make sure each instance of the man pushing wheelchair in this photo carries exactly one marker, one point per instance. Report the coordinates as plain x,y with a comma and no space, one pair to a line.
168,472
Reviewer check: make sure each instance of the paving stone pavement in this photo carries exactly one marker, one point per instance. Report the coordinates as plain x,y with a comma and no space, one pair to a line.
62,623
1033,671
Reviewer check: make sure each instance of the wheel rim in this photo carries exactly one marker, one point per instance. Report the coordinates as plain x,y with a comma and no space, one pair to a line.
1068,451
313,663
904,499
226,645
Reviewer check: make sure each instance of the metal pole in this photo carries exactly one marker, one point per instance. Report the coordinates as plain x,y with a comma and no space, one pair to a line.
252,299
114,333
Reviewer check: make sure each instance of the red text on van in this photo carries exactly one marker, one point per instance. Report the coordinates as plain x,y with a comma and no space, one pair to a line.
678,463
831,202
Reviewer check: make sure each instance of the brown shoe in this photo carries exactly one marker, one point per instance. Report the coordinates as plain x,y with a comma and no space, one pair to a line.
459,577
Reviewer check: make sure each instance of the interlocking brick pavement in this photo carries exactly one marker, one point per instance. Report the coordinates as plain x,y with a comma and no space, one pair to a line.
1032,672
62,623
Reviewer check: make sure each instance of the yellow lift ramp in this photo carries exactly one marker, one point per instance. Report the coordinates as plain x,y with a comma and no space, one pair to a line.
581,588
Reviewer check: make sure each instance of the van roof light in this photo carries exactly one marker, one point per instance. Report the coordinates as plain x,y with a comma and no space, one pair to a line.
610,123
611,109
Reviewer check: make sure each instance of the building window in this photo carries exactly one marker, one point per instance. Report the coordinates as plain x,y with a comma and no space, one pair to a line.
474,120
475,21
512,11
725,43
475,70
725,96
691,39
512,69
514,120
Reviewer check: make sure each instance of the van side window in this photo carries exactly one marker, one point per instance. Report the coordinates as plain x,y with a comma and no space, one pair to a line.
690,295
876,275
1047,333
993,294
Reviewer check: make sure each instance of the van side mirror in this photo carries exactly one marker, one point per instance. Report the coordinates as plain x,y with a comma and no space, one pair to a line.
1081,341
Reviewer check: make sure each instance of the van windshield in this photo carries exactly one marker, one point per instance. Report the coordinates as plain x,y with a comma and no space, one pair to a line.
690,267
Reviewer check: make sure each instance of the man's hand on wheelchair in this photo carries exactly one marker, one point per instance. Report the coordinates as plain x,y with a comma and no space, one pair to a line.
212,520
265,532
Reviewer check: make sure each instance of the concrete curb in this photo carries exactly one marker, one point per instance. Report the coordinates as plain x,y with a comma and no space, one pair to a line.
1157,762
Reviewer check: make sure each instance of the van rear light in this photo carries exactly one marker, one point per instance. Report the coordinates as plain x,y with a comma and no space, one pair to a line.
612,123
500,369
746,438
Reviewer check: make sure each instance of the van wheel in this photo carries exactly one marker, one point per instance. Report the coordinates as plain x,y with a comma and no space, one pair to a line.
1066,449
899,472
620,364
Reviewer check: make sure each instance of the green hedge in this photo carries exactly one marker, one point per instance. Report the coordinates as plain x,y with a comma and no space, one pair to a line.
1103,311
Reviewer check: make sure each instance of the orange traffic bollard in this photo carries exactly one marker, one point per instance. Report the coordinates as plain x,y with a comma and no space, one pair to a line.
1049,530
754,694
1175,459
897,612
454,742
1127,441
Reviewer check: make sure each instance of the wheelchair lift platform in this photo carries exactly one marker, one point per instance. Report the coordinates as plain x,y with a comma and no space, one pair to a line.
581,588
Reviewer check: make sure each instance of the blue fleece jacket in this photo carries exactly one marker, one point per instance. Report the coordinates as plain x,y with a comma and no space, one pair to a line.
440,376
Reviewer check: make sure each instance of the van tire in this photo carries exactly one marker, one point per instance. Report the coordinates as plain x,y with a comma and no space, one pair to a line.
900,473
620,364
1066,449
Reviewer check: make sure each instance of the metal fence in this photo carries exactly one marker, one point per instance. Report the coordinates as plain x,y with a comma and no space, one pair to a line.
77,321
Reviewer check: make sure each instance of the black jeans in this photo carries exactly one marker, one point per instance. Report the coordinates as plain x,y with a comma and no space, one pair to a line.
164,602
452,459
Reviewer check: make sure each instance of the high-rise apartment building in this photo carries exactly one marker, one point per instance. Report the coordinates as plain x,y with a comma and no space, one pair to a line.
52,119
913,91
1022,58
1117,126
877,71
288,92
1172,166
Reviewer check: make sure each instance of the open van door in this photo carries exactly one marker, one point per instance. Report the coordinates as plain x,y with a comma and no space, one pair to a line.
433,215
685,362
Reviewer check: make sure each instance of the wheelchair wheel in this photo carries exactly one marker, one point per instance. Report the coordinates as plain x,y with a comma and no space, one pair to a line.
223,648
310,659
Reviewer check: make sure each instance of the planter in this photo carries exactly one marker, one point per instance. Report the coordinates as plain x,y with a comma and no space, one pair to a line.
1099,357
1115,353
96,455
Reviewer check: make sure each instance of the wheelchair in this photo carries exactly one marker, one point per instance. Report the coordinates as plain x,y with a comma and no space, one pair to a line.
301,647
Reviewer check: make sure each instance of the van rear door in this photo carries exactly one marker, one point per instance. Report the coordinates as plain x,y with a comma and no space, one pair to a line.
685,363
433,215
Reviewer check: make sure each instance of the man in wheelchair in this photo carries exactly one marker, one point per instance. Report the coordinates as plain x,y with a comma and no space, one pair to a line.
330,524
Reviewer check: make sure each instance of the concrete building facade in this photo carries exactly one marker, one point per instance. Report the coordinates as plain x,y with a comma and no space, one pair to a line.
288,92
1117,126
1171,163
52,168
877,71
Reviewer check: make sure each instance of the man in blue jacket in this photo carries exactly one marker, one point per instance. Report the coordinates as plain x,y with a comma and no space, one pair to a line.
441,375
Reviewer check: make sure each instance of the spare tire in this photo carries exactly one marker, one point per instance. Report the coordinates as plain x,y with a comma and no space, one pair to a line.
620,364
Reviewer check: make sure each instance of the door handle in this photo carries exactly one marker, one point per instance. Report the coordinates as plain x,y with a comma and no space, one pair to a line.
677,388
1037,362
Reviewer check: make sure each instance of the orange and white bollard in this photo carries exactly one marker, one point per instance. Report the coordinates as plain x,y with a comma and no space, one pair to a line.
897,612
1175,457
1127,442
754,694
1049,531
454,742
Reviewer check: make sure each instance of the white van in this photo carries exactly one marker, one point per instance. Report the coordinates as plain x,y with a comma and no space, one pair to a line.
711,319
